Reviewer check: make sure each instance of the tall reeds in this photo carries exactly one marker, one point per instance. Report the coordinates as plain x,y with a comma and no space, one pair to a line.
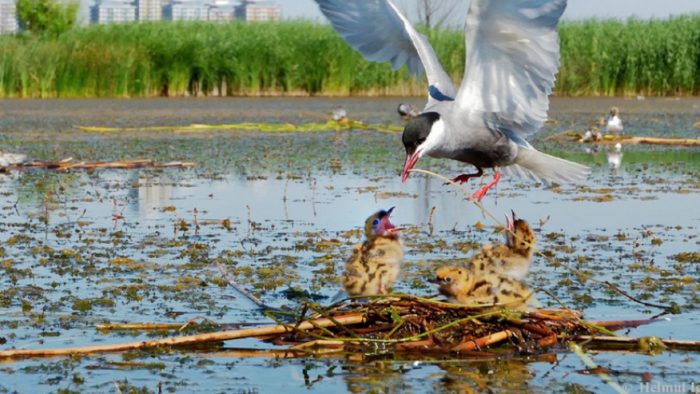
300,57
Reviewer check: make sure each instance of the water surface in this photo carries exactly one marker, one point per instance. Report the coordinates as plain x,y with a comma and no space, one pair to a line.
80,248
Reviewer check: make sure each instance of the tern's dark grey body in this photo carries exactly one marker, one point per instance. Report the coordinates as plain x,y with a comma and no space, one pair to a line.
485,145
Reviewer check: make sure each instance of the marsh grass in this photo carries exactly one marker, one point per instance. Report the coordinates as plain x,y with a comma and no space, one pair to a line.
301,57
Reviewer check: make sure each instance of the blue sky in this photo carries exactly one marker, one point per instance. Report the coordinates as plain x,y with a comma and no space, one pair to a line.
577,9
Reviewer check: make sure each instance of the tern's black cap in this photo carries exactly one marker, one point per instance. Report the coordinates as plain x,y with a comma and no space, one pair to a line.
417,130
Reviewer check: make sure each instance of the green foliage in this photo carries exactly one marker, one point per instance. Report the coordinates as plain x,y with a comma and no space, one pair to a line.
299,57
633,57
46,16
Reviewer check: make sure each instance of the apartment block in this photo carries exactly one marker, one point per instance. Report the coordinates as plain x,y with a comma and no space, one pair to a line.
8,17
254,11
105,12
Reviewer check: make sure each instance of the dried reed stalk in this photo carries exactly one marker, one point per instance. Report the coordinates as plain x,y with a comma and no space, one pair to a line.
356,318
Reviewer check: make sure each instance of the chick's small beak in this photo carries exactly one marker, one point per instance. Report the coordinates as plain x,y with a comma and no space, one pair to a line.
436,280
510,223
409,163
385,226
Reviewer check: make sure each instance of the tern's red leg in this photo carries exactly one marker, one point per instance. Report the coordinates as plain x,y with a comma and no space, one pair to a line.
382,288
479,195
465,177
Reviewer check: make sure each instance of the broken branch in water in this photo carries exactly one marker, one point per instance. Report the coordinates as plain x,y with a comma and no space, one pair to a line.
628,343
167,326
351,319
232,282
483,342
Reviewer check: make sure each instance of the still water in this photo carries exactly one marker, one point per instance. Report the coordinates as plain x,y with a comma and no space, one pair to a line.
80,248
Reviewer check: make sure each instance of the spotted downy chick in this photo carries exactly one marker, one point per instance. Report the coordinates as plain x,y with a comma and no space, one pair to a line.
463,286
374,265
510,259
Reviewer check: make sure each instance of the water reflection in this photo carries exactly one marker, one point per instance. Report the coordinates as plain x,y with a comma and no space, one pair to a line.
447,373
148,195
614,156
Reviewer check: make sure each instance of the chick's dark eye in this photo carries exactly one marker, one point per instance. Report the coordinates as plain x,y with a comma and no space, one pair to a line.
448,279
375,222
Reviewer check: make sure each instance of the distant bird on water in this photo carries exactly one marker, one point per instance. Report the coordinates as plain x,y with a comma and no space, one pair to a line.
512,59
613,124
374,265
339,113
406,111
8,159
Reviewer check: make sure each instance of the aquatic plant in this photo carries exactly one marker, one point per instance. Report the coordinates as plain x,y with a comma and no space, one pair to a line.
658,57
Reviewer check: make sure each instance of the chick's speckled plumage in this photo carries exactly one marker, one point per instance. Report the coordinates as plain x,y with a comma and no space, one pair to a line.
464,286
511,259
374,265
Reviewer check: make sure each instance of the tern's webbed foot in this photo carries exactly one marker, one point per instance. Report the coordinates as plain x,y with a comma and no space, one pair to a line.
462,179
479,195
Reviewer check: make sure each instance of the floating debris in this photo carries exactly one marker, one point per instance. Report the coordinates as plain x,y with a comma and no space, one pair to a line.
69,164
576,136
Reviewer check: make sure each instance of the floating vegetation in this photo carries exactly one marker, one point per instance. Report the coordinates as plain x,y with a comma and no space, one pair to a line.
687,257
70,164
331,125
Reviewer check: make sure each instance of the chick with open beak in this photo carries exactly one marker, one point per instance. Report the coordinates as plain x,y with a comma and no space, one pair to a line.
511,259
374,265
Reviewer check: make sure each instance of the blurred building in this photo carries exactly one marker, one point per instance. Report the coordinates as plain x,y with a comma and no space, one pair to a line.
222,11
8,17
149,10
104,12
182,10
250,11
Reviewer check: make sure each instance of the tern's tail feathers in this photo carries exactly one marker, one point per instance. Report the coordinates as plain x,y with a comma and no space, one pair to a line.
536,165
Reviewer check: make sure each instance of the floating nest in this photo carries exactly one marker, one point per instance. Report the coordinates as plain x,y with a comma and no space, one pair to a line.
413,324
400,324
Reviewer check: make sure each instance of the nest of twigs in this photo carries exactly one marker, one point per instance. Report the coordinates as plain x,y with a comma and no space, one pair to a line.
410,324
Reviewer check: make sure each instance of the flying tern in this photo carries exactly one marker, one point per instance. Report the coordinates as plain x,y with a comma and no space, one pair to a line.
512,59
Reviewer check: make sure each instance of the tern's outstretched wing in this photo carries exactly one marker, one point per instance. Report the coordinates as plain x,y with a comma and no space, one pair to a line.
512,60
378,30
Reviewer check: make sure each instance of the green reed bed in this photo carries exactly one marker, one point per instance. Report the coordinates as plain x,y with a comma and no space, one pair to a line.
164,58
632,57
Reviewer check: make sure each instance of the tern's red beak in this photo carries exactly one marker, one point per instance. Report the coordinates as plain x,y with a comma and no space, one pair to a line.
411,160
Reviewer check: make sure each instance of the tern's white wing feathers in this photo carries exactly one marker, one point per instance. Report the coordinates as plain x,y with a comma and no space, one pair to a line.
539,166
378,30
512,60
